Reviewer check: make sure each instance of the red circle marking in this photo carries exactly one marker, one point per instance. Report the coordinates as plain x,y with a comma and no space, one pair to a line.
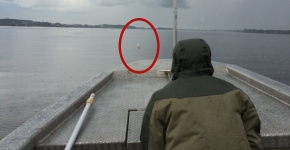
157,48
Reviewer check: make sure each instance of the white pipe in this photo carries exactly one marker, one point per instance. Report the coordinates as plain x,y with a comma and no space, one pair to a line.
80,122
174,22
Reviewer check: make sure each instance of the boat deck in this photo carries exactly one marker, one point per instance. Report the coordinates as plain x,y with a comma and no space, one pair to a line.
114,120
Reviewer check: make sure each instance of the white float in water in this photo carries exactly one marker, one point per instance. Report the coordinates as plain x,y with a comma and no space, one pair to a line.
138,46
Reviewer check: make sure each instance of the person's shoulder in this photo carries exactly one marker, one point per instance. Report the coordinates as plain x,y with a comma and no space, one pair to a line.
164,92
222,82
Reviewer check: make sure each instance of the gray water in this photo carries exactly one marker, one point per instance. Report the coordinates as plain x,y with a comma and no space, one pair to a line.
40,65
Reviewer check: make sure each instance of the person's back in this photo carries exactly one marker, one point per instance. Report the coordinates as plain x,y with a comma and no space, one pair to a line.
198,111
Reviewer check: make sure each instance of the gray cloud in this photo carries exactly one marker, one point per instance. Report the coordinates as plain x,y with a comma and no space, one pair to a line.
111,2
156,3
169,4
214,14
64,5
51,5
6,1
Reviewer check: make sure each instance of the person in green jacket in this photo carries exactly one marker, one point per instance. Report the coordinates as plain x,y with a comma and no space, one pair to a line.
197,111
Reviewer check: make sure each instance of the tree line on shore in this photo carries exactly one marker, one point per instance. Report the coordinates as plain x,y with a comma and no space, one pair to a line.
30,23
267,31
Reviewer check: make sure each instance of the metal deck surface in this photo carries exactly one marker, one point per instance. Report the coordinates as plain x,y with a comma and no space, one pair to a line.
106,121
106,124
114,120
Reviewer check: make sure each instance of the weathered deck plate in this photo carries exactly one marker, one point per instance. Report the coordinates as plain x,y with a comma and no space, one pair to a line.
110,124
106,121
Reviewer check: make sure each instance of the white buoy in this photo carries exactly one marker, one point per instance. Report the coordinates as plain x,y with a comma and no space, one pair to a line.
138,46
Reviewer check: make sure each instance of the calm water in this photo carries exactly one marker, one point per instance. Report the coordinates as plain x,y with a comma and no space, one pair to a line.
39,65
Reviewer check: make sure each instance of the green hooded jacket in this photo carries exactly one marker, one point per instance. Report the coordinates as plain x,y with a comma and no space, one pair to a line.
197,111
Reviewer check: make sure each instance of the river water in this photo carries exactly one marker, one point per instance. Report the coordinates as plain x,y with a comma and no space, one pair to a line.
40,65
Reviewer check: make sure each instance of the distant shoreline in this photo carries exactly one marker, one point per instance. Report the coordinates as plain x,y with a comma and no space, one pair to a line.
30,23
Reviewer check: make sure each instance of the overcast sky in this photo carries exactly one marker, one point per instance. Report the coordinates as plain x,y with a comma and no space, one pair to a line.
192,14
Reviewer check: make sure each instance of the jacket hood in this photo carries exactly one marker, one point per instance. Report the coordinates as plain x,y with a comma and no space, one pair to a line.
191,57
